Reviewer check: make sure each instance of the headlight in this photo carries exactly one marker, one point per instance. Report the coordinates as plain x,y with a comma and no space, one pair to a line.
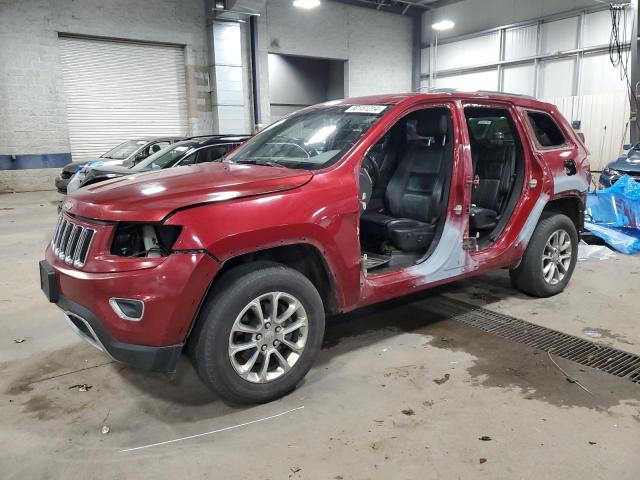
144,240
611,172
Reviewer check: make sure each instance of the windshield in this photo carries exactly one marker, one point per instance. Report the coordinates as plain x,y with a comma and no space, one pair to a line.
165,158
124,150
311,139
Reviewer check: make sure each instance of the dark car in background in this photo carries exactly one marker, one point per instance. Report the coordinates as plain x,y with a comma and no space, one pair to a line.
126,154
188,152
626,164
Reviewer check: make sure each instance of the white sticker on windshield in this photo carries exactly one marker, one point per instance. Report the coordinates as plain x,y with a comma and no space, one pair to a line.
365,109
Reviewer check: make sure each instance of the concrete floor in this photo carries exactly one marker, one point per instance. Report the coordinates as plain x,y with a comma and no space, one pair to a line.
372,406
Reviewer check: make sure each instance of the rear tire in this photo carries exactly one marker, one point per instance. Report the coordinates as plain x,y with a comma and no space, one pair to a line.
238,333
550,257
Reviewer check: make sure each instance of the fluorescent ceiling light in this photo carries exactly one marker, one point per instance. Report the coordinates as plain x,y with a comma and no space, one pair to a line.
443,25
307,4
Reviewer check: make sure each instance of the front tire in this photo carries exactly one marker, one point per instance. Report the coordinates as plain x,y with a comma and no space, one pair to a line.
550,257
259,333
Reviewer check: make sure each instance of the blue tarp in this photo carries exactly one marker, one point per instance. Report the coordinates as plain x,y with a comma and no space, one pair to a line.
613,214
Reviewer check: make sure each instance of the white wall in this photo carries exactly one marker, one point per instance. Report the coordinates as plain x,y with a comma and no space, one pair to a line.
585,86
377,46
475,15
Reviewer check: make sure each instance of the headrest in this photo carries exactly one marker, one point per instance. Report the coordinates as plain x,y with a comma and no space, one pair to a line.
432,123
496,141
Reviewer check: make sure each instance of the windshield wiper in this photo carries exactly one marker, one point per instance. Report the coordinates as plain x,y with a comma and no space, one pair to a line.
258,161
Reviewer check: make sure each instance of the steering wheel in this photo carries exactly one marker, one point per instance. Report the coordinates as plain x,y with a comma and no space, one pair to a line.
372,168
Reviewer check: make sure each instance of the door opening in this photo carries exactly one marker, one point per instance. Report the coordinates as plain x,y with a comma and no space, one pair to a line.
404,189
498,169
297,82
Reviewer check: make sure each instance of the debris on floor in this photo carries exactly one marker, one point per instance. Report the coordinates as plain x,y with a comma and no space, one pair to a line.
483,460
485,438
83,387
592,333
593,252
105,429
442,380
568,377
613,214
19,340
408,412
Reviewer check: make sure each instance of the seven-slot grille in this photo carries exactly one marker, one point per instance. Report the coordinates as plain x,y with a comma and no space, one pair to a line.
71,242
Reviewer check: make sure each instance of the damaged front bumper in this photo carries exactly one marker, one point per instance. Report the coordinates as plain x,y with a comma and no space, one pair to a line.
83,322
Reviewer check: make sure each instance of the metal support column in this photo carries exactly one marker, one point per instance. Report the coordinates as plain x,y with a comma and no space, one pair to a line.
634,130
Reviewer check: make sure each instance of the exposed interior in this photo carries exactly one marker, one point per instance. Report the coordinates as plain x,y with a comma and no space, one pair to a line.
404,187
498,169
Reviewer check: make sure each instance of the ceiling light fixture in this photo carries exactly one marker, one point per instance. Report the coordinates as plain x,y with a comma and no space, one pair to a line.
306,4
443,25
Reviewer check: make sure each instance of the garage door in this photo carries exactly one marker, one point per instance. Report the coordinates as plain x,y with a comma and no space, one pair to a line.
118,90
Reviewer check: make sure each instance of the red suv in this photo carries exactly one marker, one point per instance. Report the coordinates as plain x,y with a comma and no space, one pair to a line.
337,206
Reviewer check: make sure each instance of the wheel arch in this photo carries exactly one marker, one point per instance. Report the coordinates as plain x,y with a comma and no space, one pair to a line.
570,205
303,257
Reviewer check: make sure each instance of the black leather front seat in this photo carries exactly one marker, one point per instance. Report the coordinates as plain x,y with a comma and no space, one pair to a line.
494,163
414,195
383,154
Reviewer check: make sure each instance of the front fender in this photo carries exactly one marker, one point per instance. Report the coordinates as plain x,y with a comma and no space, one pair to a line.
230,229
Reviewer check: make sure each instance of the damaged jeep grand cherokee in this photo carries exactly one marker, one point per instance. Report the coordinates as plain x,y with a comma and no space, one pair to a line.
332,208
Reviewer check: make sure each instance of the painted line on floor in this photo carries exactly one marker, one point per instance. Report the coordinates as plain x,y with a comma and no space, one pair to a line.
213,431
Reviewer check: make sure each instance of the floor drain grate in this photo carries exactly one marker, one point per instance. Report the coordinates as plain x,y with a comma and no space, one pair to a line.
590,354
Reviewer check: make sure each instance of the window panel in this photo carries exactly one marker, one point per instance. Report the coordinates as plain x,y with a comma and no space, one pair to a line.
599,76
470,52
559,35
519,79
597,28
487,80
556,78
520,42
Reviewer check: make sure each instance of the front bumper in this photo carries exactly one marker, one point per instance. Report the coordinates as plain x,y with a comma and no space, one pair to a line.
172,293
155,359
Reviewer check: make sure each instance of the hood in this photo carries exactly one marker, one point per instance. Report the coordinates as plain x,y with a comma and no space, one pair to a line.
106,169
91,175
73,167
627,163
150,197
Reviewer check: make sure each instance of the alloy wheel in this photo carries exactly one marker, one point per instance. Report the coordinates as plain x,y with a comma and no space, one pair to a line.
268,337
556,257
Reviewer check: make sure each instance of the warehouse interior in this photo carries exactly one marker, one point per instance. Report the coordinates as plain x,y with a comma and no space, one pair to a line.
453,381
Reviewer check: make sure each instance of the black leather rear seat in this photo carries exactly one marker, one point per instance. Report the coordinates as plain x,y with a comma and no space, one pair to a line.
494,164
414,195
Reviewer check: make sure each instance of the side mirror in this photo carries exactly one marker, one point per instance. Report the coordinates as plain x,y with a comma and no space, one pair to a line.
627,146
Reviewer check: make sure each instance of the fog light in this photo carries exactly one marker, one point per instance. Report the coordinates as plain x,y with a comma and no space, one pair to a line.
127,308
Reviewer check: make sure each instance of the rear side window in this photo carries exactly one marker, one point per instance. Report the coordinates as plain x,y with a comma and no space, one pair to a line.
546,130
484,128
211,154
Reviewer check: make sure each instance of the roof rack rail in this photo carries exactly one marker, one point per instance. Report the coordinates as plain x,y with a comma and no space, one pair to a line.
519,95
216,135
490,92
